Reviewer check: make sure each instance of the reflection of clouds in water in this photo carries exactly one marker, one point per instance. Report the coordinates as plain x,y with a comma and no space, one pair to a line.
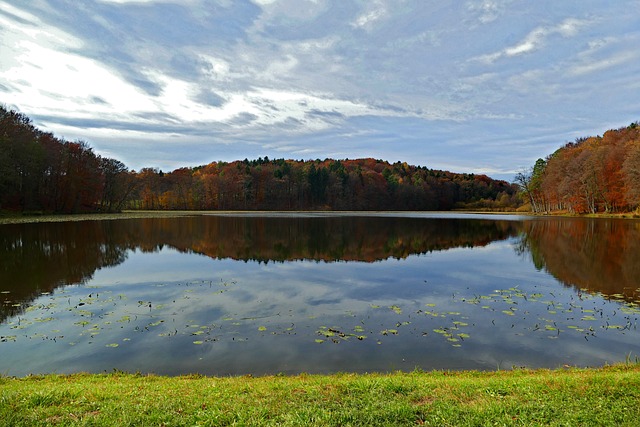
166,265
229,301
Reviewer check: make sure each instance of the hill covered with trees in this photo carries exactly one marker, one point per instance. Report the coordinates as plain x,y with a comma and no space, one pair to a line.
362,184
39,172
591,175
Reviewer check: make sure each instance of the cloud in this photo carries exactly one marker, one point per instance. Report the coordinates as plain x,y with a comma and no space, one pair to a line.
369,18
487,10
46,74
264,2
536,39
130,1
615,60
404,80
606,53
199,84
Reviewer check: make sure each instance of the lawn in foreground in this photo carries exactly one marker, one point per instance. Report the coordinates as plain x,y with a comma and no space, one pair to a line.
598,397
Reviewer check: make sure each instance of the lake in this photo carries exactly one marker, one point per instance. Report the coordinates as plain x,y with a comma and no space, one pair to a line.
236,294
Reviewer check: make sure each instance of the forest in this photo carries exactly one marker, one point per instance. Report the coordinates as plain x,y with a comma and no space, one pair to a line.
42,173
598,174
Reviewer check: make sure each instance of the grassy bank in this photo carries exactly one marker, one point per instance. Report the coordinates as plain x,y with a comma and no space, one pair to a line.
568,397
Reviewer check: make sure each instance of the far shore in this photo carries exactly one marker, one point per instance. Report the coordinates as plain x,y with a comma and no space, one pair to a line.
11,218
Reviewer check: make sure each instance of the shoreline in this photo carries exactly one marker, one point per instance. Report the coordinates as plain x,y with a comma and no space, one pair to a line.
134,214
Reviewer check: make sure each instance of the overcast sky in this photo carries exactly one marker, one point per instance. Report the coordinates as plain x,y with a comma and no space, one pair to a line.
484,86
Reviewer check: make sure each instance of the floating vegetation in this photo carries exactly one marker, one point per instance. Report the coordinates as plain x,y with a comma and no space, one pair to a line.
396,309
102,318
337,335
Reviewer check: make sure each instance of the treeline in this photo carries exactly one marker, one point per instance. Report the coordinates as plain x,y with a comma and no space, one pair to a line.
590,175
39,172
42,173
362,184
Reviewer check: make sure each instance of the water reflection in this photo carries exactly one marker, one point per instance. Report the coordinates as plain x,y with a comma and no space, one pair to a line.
597,255
38,258
234,295
601,255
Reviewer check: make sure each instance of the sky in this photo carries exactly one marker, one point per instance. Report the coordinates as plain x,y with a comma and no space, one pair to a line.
478,86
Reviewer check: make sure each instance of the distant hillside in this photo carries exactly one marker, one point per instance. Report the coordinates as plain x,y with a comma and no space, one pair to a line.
362,184
590,175
41,173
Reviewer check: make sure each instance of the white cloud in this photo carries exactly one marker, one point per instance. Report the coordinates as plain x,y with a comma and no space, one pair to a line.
45,76
285,12
308,74
313,111
70,82
33,29
9,9
368,18
375,12
220,69
488,10
536,39
605,63
606,53
136,1
280,68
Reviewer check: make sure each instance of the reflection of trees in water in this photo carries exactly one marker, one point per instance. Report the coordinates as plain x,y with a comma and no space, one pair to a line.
365,239
601,255
37,258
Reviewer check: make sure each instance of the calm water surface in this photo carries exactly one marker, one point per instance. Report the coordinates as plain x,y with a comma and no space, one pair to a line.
317,293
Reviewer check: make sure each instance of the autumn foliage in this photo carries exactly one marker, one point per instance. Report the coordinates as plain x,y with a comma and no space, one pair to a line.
41,173
590,175
362,184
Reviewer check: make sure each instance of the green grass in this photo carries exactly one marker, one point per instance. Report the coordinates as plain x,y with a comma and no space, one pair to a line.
568,397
